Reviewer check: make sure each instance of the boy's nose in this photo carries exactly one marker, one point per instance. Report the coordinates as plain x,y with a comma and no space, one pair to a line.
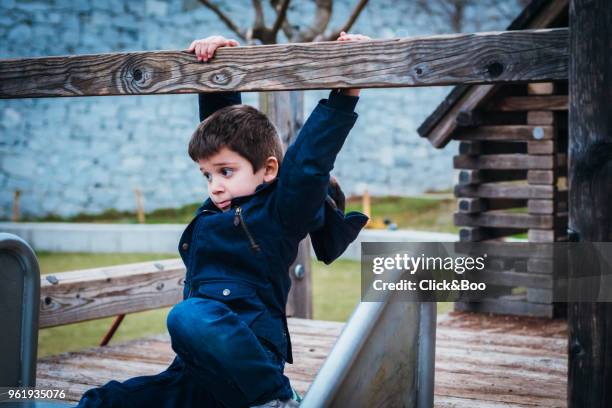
216,187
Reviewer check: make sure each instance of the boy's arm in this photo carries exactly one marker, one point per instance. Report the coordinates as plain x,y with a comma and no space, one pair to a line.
209,103
305,170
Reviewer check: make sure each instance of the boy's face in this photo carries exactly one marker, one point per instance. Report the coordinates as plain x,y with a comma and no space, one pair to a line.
230,175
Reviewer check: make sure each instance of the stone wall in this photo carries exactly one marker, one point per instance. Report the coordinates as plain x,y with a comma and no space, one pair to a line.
72,155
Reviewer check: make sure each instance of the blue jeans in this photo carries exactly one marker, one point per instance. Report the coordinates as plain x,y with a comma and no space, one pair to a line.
219,363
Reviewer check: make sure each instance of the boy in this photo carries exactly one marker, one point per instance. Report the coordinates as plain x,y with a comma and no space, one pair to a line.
230,332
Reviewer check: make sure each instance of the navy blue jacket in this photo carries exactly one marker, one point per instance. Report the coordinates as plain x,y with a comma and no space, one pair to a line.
242,257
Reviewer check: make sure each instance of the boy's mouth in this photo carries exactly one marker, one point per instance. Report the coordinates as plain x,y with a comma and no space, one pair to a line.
224,205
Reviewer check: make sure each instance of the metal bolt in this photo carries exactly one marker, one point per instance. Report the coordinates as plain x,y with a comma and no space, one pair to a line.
299,271
538,133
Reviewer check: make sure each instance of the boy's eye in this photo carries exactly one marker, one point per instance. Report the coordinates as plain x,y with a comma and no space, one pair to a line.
227,172
207,176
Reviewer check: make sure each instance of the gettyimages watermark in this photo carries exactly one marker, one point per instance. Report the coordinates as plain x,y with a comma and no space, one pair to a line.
474,271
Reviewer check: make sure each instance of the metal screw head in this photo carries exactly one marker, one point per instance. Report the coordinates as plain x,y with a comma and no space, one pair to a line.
226,292
538,133
299,271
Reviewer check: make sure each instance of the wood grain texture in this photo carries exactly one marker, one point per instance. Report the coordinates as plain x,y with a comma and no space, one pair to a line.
481,361
505,190
507,133
503,220
479,58
102,292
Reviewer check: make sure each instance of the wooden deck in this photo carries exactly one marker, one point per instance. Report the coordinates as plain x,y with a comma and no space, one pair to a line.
481,361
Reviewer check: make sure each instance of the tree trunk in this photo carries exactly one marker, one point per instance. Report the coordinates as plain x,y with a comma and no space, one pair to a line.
590,186
286,111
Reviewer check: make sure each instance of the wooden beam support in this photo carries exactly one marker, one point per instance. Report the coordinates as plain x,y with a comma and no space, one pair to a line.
531,103
507,161
479,58
503,220
590,186
102,292
484,176
505,133
505,190
476,205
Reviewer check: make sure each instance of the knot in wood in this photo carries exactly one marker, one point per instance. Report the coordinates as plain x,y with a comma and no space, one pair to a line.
220,78
159,286
137,75
494,69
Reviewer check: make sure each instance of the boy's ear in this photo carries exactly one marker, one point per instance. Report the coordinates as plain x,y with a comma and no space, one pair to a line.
270,169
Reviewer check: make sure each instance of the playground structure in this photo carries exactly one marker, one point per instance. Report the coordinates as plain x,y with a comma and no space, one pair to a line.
513,143
482,58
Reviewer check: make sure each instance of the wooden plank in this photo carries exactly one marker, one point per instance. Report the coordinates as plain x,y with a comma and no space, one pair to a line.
484,176
547,235
541,207
540,177
475,205
475,118
514,307
542,118
476,234
531,103
504,161
503,220
590,146
511,278
491,147
540,265
508,133
494,57
438,126
543,88
541,147
512,250
101,292
505,190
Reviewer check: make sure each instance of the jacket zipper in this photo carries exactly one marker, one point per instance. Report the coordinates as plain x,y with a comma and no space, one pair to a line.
239,220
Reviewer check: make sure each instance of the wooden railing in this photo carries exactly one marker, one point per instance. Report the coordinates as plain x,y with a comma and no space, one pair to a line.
496,57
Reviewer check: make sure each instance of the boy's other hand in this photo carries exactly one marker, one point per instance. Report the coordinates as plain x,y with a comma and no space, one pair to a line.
205,48
352,37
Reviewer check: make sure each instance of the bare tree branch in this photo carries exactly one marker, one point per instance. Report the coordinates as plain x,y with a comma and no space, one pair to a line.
228,22
351,20
318,26
280,17
259,16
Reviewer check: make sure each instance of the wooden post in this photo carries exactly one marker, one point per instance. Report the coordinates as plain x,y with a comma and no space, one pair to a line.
15,217
139,207
366,204
286,111
590,134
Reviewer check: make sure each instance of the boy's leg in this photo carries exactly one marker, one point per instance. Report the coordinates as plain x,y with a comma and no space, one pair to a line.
171,388
223,352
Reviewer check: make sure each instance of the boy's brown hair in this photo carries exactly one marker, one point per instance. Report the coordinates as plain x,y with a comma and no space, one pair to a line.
240,128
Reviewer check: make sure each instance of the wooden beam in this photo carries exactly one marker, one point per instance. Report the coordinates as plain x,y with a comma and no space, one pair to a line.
590,186
479,58
476,234
505,190
503,220
77,296
531,103
483,176
506,161
476,205
505,133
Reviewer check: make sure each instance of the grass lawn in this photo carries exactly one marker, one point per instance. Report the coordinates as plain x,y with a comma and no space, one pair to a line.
430,214
336,292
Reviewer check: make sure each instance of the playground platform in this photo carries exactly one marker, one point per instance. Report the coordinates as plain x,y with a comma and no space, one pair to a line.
481,360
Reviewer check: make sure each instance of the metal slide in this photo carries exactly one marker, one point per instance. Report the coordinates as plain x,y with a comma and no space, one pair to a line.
384,357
